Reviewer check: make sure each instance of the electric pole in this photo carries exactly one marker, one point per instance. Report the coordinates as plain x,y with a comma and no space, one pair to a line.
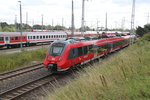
72,21
132,20
62,21
82,20
133,17
26,21
15,23
42,22
97,25
122,24
106,24
148,18
20,25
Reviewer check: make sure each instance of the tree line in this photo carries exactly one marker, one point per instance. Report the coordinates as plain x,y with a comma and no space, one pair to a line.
143,30
5,27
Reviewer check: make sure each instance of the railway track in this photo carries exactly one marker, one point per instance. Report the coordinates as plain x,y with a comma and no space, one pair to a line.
21,71
17,92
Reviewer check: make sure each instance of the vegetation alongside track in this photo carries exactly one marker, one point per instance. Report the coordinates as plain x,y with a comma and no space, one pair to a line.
13,61
125,76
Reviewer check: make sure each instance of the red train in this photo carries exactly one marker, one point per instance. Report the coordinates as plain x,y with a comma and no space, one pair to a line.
64,54
12,39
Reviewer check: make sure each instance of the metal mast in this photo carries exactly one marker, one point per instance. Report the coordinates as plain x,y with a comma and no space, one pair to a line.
15,23
72,20
42,22
132,17
26,21
106,23
82,24
20,25
132,20
148,18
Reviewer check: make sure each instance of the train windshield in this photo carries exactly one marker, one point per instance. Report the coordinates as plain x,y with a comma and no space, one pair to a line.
56,49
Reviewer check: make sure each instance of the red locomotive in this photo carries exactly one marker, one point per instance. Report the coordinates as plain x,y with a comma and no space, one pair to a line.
64,54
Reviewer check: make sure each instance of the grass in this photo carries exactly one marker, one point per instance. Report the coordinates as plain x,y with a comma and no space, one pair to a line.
13,61
125,76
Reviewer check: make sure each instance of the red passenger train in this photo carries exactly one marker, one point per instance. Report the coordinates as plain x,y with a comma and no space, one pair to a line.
64,54
12,39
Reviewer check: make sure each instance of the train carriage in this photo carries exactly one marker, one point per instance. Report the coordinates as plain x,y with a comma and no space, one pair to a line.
38,37
65,54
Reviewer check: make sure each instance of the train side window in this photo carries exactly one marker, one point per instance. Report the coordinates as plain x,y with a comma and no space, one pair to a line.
33,37
40,37
90,48
11,38
37,37
1,38
46,36
49,36
16,38
73,53
85,50
80,51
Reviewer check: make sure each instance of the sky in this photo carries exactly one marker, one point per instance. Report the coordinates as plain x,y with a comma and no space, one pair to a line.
58,12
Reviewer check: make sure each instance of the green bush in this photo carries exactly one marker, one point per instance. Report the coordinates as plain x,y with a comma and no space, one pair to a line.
12,61
146,37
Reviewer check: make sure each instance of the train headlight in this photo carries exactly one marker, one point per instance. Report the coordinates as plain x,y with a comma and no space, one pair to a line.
59,58
48,57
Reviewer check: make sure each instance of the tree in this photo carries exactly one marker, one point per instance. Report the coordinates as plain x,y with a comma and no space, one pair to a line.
140,31
3,24
58,27
147,28
37,26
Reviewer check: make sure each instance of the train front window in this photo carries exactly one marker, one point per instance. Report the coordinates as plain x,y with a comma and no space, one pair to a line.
56,49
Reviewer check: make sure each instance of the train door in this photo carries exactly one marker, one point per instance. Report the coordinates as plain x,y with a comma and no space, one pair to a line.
95,50
7,40
111,46
72,56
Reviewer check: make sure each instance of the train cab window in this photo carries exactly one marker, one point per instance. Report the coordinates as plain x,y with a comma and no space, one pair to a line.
56,49
1,38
